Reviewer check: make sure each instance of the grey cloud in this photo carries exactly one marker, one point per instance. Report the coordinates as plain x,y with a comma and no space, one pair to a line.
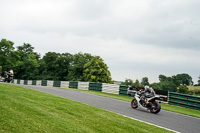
165,24
92,9
173,25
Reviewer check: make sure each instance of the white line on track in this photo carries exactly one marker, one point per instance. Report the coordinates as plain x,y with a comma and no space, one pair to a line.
150,123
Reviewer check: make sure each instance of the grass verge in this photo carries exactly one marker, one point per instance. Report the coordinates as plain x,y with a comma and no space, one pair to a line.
25,110
164,106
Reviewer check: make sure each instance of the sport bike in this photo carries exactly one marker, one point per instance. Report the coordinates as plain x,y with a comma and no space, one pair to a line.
8,77
141,100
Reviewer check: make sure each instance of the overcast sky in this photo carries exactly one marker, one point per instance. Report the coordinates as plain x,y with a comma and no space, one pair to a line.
135,38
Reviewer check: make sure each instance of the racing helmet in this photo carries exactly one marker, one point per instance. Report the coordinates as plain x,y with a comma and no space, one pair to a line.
147,88
11,72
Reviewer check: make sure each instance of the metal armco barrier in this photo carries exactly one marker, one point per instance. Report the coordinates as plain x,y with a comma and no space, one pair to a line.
50,83
44,83
34,82
73,84
184,100
56,83
95,86
123,90
83,85
22,82
64,84
18,81
110,88
29,82
15,81
38,82
25,82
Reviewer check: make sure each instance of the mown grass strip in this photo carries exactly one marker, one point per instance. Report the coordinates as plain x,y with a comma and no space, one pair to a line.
164,106
25,110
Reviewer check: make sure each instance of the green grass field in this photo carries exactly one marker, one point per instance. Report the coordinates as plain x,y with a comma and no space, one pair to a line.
25,110
193,87
164,106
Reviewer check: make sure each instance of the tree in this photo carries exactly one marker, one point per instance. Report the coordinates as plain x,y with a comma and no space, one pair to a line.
165,78
55,66
182,89
77,66
176,80
97,71
155,86
171,83
48,66
25,49
137,83
63,66
29,67
162,77
198,80
128,82
9,59
184,78
168,86
6,48
145,81
29,62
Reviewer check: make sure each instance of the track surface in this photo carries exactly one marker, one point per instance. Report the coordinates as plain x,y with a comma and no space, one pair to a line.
174,121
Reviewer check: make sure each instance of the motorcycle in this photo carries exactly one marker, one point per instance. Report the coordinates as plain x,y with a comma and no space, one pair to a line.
149,103
8,77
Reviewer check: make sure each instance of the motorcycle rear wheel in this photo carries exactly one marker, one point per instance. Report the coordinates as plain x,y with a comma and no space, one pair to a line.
156,108
134,103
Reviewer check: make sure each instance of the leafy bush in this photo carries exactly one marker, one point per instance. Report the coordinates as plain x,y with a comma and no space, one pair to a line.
194,92
191,92
182,89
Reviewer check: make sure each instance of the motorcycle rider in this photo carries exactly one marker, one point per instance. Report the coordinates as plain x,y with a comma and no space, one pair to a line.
147,93
9,74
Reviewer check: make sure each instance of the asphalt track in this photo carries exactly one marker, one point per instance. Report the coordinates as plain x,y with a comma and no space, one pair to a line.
169,120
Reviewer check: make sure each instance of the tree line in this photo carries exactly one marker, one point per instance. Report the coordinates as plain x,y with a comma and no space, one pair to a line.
28,64
176,83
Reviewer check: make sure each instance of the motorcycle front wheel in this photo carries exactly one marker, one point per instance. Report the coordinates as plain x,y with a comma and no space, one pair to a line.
134,103
156,107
